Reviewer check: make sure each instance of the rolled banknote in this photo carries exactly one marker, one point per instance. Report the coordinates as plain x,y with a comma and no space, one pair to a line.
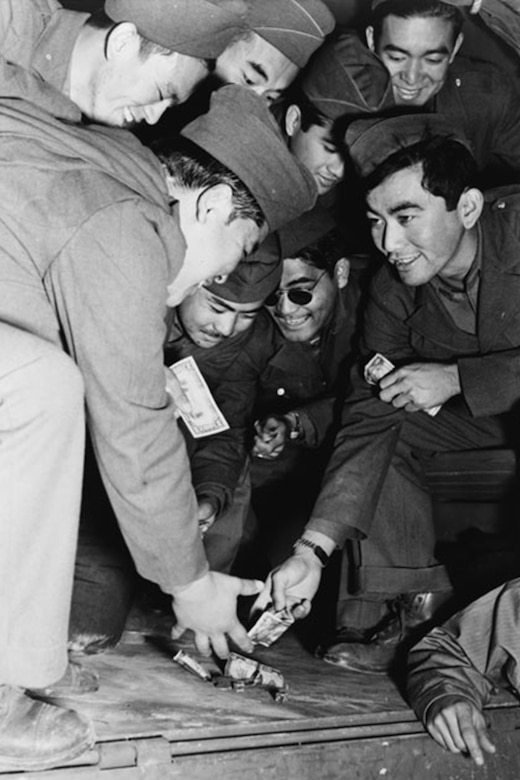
379,366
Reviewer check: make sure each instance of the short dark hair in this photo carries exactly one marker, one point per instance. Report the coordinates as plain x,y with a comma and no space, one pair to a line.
448,167
323,253
309,113
407,9
193,168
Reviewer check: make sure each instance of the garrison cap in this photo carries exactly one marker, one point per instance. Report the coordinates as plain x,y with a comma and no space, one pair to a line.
240,132
197,28
371,141
255,277
344,78
295,27
304,231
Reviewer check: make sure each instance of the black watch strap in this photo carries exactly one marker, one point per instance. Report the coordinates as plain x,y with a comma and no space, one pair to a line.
318,551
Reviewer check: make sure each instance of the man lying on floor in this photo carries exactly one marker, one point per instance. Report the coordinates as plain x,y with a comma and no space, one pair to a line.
453,670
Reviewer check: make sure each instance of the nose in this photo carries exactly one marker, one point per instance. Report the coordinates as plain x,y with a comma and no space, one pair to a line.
411,72
226,323
154,111
285,305
336,166
391,239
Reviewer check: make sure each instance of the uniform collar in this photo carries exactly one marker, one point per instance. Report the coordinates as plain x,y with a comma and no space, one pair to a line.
53,50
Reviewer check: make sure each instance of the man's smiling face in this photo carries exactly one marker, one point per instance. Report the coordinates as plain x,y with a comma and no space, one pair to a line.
209,319
415,231
303,322
255,63
417,52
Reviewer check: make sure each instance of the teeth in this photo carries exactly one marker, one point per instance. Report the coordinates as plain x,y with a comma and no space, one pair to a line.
128,115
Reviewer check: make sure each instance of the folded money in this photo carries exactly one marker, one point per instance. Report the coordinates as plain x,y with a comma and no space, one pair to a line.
270,626
378,367
204,417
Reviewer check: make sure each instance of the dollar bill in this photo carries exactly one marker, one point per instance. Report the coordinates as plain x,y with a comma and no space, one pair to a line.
204,417
376,368
238,667
379,366
270,626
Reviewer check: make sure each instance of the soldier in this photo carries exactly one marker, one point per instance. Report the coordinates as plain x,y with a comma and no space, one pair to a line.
124,64
444,310
99,239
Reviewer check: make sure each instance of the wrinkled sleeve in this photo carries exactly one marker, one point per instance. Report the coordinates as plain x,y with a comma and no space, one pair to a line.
471,653
109,286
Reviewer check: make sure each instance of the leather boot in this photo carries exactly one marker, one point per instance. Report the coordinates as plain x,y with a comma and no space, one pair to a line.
35,735
76,681
411,613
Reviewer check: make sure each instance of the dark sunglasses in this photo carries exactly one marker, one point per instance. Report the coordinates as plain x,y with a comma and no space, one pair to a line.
298,296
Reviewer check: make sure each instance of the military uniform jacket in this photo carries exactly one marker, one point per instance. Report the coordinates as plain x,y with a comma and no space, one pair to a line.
303,378
88,244
409,324
39,36
469,655
483,100
232,370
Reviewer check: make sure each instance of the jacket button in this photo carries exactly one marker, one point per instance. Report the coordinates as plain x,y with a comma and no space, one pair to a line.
280,391
458,82
501,204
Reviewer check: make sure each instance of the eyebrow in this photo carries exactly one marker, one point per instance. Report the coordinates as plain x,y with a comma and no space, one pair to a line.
393,48
405,204
258,68
299,280
225,305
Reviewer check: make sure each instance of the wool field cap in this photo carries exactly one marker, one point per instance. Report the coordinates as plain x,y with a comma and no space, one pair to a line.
255,277
197,28
344,78
295,27
304,231
371,141
240,132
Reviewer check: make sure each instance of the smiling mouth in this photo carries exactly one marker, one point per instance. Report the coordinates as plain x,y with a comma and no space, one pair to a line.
408,94
292,323
403,263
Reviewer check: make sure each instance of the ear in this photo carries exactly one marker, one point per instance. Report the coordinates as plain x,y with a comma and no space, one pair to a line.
293,120
470,206
214,203
458,44
342,272
369,35
122,41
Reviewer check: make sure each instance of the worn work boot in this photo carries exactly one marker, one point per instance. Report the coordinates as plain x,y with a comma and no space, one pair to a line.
411,613
35,735
76,681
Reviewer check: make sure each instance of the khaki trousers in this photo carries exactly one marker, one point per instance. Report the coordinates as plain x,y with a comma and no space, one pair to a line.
42,430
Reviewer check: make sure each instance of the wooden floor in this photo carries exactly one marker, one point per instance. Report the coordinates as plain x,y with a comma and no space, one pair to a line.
155,720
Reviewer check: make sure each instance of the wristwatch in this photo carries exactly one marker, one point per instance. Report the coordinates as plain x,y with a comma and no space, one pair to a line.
318,551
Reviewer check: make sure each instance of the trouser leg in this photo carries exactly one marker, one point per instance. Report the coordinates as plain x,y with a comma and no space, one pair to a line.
42,431
398,556
222,540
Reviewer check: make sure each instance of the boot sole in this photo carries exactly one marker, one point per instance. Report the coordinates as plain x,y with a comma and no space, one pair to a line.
27,764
